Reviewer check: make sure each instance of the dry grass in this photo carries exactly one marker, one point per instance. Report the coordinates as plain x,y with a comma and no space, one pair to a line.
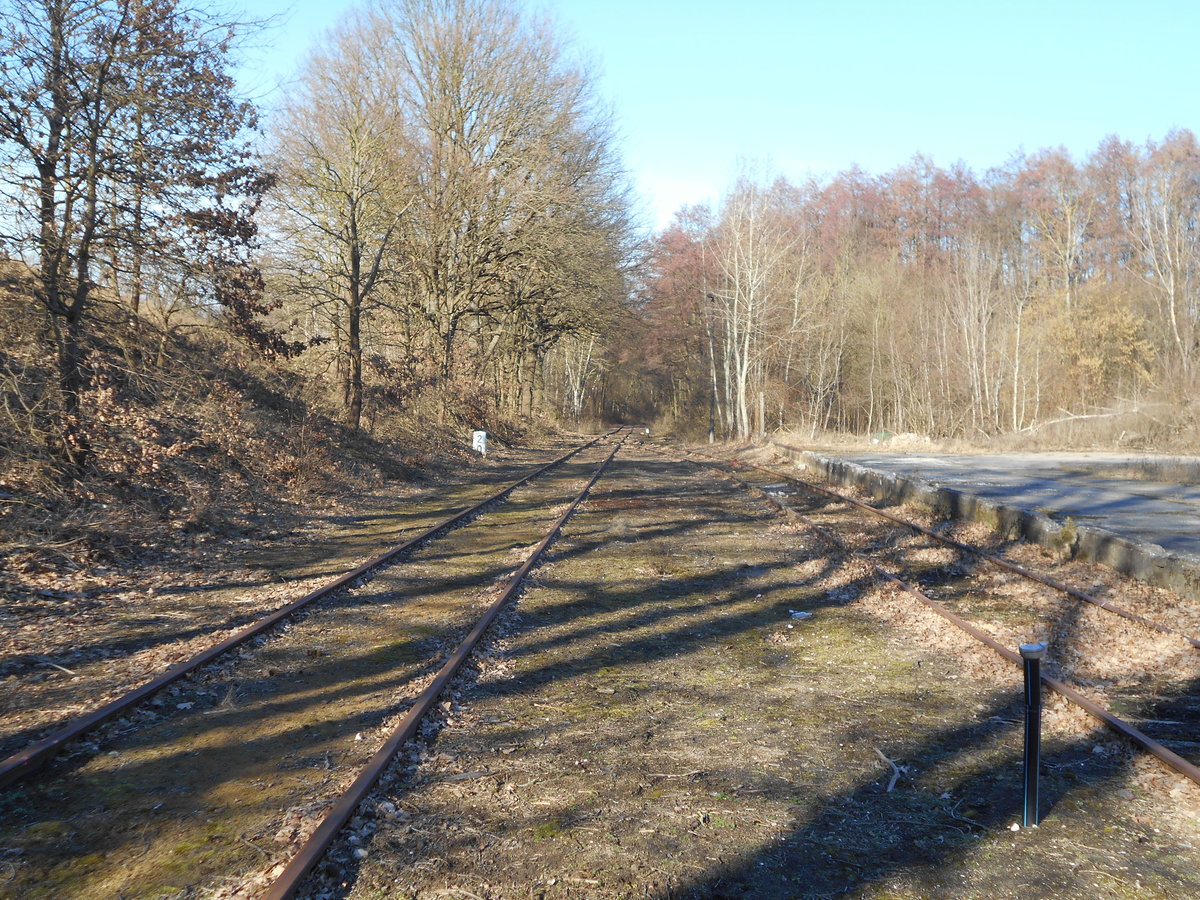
1163,426
193,437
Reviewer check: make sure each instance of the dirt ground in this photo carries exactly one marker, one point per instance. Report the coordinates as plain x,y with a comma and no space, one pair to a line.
694,698
698,700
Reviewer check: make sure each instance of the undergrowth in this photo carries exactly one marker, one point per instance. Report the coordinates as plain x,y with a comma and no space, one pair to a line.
190,433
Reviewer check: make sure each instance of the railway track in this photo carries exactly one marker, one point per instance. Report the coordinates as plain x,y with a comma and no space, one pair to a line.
235,733
1135,688
39,752
655,720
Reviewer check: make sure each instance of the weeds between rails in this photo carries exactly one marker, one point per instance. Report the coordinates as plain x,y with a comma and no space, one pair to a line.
34,757
294,874
1165,755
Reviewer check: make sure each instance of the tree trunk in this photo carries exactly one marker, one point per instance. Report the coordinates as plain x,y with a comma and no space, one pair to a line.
74,446
353,390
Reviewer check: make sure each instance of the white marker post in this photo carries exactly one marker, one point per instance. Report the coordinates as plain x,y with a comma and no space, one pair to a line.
479,442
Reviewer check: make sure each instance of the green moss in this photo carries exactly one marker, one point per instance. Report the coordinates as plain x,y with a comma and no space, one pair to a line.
548,830
52,828
184,848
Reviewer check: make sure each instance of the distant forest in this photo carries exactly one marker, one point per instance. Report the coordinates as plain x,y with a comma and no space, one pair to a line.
1048,292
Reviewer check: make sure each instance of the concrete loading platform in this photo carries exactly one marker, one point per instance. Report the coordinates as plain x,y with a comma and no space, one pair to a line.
1140,515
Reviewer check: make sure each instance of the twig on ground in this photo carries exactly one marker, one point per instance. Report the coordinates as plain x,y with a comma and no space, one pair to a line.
255,846
57,666
895,769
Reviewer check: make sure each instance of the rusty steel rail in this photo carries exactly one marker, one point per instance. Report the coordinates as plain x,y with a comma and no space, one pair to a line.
36,755
1163,754
996,561
290,879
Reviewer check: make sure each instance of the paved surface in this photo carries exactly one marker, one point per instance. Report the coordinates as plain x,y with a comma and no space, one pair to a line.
1138,497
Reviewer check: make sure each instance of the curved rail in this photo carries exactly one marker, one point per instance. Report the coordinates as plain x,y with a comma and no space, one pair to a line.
1164,754
293,875
996,561
36,755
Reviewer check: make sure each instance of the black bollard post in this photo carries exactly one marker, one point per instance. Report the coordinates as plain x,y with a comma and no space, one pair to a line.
1032,654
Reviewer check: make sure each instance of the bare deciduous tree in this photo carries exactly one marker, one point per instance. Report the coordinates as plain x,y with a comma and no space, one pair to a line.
505,139
341,157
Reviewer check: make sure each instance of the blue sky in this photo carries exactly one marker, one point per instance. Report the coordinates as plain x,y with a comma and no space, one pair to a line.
814,87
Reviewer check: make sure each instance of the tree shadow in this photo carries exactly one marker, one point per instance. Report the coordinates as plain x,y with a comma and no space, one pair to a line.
837,845
866,837
323,688
857,838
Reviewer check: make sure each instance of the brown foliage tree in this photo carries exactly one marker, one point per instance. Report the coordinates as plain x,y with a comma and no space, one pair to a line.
121,140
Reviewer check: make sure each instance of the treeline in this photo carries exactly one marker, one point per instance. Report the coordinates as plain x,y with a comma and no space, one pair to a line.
449,205
931,300
435,209
434,224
